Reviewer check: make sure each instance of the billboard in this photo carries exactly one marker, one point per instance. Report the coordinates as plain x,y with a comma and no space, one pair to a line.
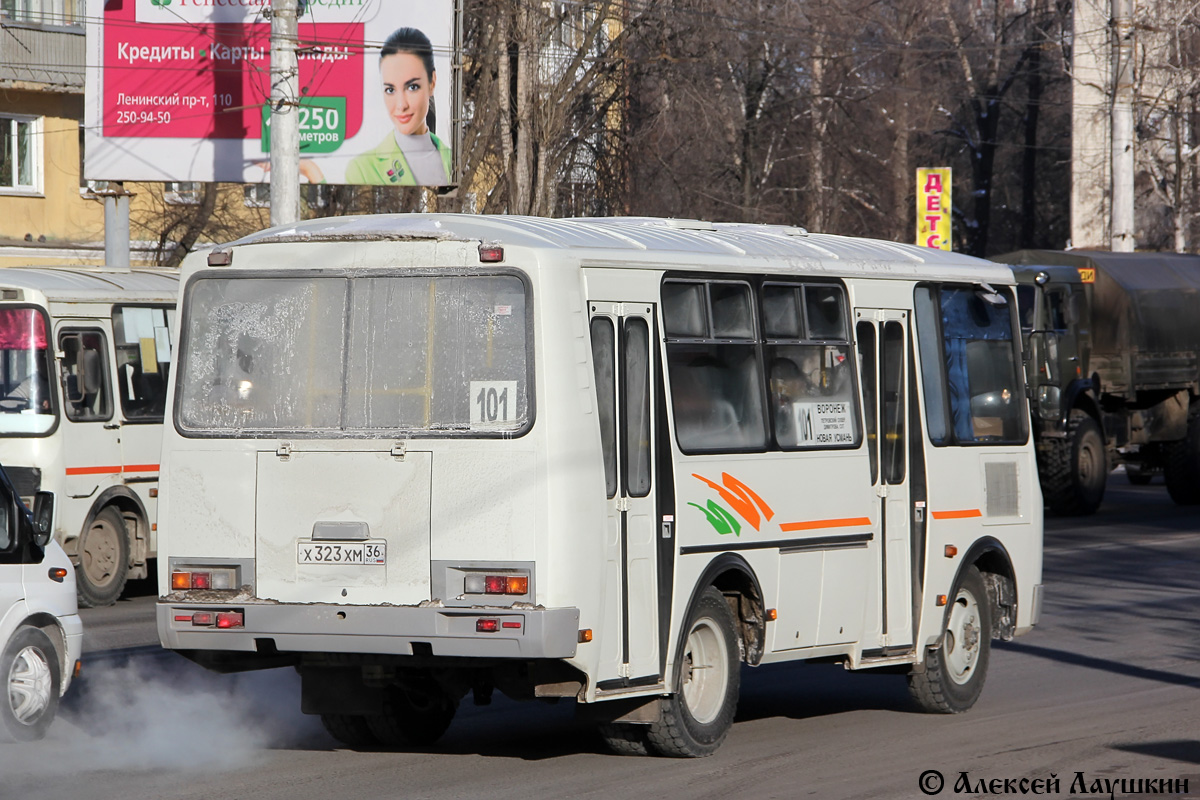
183,87
933,207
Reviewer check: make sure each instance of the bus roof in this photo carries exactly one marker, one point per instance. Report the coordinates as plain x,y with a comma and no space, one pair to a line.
94,283
694,244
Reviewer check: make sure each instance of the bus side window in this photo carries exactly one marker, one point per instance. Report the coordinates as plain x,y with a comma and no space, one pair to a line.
869,377
85,376
603,358
635,391
143,350
715,373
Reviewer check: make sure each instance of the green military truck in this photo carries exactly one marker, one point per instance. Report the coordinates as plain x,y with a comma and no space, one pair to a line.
1112,346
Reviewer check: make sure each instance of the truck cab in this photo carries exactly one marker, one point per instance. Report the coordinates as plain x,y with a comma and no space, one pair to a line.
1112,348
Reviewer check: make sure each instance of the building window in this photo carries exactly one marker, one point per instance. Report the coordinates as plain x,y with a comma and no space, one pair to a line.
182,193
43,12
257,195
20,150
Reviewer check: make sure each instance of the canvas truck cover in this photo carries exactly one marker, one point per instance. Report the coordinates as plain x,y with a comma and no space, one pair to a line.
1145,314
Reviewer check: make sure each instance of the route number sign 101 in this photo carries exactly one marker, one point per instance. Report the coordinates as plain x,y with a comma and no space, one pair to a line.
493,403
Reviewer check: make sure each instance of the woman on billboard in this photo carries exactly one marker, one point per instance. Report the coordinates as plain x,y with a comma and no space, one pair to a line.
411,154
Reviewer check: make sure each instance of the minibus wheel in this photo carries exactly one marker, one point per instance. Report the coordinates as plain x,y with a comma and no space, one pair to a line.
413,717
956,669
103,559
29,667
351,730
698,714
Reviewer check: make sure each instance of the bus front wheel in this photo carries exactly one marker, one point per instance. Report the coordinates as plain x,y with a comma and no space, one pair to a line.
956,669
698,714
103,559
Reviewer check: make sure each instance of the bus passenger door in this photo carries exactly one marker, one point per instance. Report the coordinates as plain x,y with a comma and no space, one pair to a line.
882,337
623,354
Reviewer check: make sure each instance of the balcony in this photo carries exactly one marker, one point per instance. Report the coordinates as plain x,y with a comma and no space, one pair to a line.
40,56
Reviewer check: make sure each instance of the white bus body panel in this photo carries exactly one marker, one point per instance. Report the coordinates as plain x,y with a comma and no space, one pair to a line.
539,499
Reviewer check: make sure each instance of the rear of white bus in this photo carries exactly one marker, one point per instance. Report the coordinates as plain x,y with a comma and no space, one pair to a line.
29,447
351,483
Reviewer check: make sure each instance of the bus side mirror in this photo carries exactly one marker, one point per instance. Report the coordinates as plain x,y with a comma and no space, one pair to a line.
43,518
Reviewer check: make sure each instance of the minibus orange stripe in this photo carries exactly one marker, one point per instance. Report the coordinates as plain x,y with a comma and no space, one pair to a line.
965,513
93,470
825,523
112,470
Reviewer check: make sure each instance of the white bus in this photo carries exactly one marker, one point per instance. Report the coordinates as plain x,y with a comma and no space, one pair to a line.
420,457
84,358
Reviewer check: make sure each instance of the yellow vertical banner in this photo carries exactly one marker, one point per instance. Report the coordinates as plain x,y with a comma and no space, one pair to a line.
933,207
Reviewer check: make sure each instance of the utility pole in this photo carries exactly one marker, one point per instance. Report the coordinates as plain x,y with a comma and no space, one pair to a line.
1122,127
285,114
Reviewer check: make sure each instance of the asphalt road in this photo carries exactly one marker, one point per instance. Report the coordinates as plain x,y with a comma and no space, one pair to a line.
1107,687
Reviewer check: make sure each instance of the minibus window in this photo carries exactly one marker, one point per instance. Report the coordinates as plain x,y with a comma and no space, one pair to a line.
604,358
891,385
85,385
823,312
26,402
731,311
930,348
636,390
685,310
811,383
869,378
716,385
981,366
143,350
414,353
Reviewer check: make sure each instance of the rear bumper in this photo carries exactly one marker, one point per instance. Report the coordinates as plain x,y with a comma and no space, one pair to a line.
392,630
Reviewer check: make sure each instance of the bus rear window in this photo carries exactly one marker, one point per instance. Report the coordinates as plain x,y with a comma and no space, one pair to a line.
26,405
356,356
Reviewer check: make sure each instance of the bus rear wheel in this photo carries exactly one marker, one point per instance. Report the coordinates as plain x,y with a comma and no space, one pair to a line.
103,559
955,671
351,730
698,714
413,717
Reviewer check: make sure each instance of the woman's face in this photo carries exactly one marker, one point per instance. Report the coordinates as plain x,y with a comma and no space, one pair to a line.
407,89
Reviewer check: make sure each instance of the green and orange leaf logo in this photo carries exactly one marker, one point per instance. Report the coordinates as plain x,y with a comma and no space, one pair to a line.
741,497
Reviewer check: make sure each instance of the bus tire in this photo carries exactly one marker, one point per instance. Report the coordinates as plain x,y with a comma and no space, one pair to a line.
625,740
31,671
956,669
1182,467
103,559
351,730
1074,470
413,718
698,714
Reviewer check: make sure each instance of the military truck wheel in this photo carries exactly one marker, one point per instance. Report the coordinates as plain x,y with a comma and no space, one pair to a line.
1182,468
1075,469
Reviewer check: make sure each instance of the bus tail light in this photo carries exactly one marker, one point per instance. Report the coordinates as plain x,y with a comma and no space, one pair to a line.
496,584
487,625
230,619
204,578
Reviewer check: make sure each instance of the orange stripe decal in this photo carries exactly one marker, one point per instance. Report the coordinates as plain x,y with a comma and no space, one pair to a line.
965,513
817,524
112,470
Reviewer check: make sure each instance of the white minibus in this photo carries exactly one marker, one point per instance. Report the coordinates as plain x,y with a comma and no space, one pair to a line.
421,457
41,635
84,358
